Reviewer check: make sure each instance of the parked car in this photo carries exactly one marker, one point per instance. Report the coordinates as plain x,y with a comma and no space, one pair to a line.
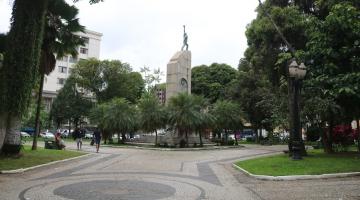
65,133
24,134
88,135
47,135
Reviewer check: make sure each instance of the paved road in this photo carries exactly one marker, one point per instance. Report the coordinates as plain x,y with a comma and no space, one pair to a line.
117,173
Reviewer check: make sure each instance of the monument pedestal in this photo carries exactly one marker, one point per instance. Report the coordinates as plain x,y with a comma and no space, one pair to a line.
178,75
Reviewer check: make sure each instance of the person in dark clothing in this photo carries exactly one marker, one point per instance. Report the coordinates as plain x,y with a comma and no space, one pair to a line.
78,137
97,137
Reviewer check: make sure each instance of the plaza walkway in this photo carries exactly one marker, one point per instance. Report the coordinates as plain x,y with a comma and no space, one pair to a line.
120,173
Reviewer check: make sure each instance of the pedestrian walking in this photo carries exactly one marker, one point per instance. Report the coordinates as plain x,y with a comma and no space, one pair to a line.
97,137
78,137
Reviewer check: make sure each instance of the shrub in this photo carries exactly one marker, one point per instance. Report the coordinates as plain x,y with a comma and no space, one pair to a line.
231,142
313,133
182,143
166,145
343,136
250,139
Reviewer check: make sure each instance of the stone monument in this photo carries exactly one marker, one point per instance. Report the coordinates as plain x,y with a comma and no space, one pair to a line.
178,75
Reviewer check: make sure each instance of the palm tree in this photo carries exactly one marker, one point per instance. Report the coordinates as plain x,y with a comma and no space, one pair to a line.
59,38
152,114
184,114
228,116
97,116
120,117
206,120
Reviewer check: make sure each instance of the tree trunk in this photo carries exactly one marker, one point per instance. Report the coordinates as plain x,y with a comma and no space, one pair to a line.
123,138
256,135
358,132
226,137
156,138
37,117
57,125
236,140
76,122
186,138
200,138
328,138
3,119
20,63
12,142
70,127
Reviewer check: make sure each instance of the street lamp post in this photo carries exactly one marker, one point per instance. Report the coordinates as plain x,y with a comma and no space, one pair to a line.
296,75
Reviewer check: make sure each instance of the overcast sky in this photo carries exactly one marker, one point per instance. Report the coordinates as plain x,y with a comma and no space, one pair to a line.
149,32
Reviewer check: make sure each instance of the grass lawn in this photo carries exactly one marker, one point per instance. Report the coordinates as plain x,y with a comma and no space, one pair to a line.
31,158
246,142
316,163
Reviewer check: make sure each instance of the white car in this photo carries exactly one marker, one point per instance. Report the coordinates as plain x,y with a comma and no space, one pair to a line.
88,135
24,134
47,135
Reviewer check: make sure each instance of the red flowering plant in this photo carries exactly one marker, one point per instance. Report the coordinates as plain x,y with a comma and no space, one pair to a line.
344,135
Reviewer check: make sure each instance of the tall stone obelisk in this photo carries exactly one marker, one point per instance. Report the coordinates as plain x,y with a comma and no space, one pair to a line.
178,75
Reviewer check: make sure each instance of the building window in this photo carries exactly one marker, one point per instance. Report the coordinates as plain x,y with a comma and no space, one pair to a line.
62,69
86,40
83,50
61,81
65,59
73,60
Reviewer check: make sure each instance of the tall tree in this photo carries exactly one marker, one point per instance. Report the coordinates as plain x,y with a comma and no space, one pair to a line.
60,39
70,104
334,48
212,81
109,79
18,74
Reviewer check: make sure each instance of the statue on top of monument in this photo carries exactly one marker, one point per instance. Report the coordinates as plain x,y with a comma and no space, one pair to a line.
185,44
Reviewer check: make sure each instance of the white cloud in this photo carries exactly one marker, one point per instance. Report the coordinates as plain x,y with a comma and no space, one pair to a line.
149,32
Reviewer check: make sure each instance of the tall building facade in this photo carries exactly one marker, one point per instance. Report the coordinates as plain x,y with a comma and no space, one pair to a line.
160,92
56,79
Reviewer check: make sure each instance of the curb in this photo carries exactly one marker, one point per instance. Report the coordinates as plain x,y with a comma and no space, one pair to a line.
297,177
21,170
176,149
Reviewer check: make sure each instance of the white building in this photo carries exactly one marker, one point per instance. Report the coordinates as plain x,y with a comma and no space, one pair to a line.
56,79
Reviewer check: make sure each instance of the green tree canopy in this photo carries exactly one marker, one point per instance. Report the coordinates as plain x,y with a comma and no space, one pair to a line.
109,79
70,104
212,81
228,116
120,117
